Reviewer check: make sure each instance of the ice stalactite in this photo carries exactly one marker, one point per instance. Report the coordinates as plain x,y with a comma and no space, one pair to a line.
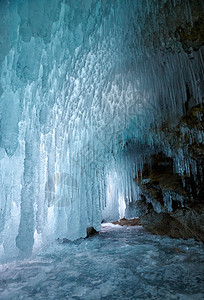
81,81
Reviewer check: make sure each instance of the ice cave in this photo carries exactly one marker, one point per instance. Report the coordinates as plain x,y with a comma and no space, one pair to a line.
101,149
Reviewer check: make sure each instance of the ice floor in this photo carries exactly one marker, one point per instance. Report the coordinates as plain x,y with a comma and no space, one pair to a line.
119,263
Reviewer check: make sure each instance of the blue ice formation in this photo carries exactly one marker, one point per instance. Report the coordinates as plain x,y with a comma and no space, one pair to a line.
81,82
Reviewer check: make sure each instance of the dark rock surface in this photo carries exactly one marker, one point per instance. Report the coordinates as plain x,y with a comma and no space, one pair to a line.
174,31
90,231
182,223
172,193
128,222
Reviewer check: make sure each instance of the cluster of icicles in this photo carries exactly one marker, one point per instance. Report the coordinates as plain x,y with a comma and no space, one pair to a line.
79,86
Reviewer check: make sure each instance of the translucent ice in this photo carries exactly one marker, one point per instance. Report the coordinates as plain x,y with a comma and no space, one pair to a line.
120,262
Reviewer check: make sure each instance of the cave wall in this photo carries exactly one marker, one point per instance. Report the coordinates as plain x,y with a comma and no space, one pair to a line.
172,187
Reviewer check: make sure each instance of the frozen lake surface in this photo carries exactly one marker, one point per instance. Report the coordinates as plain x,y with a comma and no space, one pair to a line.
119,263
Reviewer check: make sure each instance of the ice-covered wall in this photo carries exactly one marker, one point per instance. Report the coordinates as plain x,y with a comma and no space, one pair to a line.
81,82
